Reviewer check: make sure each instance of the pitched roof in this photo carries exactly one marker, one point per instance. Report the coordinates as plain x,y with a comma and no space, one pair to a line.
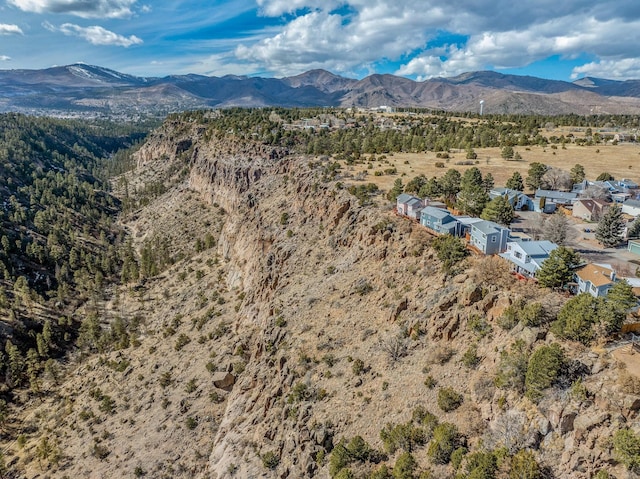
488,227
435,212
592,204
404,198
632,203
563,195
597,274
537,248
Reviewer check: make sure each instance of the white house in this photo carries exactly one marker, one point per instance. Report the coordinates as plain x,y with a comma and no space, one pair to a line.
527,257
631,207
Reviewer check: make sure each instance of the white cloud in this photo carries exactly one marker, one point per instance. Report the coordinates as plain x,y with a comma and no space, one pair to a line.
612,69
95,35
4,58
6,29
344,35
80,8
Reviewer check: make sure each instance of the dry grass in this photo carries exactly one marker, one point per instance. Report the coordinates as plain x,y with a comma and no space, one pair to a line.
619,160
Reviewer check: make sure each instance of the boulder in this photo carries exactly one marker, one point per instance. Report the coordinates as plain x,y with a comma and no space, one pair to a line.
566,422
589,421
223,380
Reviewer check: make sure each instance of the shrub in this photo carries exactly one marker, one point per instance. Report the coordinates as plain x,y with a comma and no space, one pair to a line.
191,422
182,341
402,436
524,466
626,449
357,367
470,358
405,466
543,370
449,399
270,460
513,367
445,441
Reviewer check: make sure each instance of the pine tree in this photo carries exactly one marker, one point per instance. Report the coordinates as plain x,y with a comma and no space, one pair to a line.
498,210
577,173
621,296
396,191
488,182
515,182
557,269
535,174
610,227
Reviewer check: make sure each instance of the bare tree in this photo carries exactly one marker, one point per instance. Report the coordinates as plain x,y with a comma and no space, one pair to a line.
557,228
508,431
595,192
557,179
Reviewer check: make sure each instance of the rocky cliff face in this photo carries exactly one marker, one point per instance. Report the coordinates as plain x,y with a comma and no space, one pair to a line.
311,318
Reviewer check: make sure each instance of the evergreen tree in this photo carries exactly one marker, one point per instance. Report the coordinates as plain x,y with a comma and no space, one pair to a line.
415,185
577,173
535,174
498,210
621,296
396,191
557,269
610,227
450,250
543,370
472,200
585,318
515,182
450,184
488,182
634,229
507,152
431,189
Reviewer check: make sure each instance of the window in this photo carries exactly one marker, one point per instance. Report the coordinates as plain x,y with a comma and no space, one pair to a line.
518,254
493,239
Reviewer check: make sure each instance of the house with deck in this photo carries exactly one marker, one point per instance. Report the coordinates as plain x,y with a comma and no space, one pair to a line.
409,205
595,279
488,237
440,221
526,257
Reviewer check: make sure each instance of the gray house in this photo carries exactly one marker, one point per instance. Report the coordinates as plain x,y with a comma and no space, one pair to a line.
631,207
527,257
489,237
516,198
564,198
440,221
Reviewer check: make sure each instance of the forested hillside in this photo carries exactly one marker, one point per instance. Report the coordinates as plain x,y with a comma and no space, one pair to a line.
59,244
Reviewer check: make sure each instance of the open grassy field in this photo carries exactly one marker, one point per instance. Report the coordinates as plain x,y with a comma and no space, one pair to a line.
621,161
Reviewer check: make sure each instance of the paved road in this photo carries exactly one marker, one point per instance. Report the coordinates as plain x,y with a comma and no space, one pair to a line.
530,222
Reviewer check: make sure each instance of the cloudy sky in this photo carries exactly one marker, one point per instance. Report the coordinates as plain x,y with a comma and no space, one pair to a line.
420,39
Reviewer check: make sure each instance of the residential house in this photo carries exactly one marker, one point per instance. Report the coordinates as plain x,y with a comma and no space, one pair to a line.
620,197
440,221
625,185
408,205
564,198
541,205
589,209
631,207
517,199
595,279
488,237
527,257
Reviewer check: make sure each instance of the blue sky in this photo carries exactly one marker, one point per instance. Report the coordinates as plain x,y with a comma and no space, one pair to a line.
420,39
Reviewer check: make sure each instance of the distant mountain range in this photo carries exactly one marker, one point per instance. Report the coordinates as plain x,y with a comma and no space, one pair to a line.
86,90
